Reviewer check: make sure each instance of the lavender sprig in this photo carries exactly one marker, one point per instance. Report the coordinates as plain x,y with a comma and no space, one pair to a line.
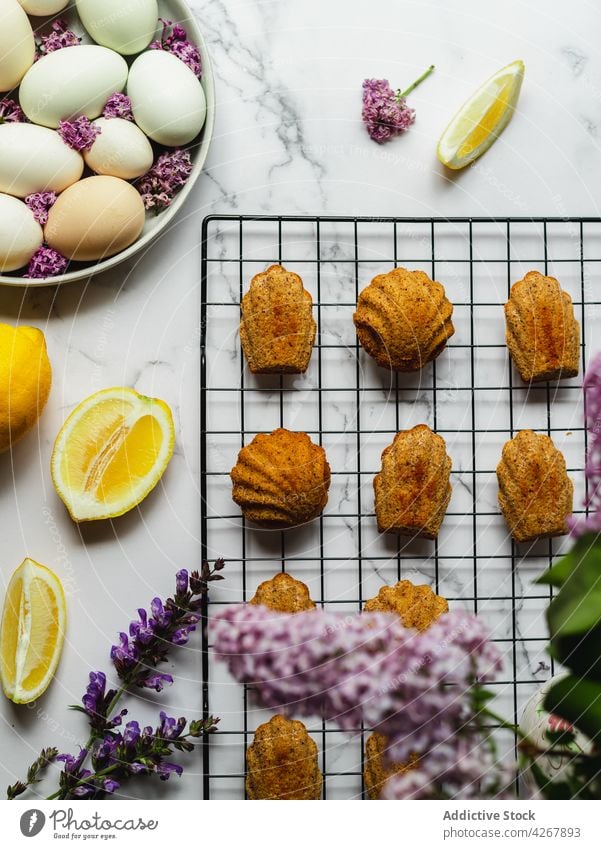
46,757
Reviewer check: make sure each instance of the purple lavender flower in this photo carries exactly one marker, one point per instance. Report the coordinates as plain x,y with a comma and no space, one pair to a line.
97,702
174,39
60,36
80,134
73,777
385,113
40,203
10,111
118,106
46,262
166,177
592,406
414,687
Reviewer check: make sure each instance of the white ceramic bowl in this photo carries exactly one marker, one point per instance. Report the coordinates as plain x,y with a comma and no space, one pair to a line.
172,10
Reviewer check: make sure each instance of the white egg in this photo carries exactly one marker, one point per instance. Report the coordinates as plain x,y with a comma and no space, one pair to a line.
17,47
127,26
121,150
36,159
43,7
20,234
71,82
167,99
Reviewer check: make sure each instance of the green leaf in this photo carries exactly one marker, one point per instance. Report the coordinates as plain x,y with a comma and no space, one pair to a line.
580,654
579,701
560,571
560,738
550,789
577,607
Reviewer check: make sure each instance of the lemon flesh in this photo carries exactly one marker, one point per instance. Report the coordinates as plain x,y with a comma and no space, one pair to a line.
25,380
111,452
32,632
482,119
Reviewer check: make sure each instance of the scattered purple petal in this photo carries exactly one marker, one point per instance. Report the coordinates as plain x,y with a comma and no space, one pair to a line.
46,262
592,406
174,39
60,36
118,106
80,134
10,112
40,203
385,113
166,177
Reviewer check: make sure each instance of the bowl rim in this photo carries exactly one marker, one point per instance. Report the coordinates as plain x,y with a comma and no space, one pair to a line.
202,149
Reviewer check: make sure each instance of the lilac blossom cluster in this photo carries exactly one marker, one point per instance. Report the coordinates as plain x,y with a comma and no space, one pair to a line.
417,688
166,177
40,203
46,262
10,111
174,39
59,36
118,106
80,133
592,406
385,113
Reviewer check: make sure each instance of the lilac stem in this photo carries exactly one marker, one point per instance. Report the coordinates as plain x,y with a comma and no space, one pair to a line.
400,94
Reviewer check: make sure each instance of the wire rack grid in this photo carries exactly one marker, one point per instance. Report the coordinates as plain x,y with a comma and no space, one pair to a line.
470,395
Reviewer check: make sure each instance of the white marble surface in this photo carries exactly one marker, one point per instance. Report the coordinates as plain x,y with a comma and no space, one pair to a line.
288,139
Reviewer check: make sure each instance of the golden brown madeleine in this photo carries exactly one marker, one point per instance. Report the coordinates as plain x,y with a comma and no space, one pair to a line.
403,319
413,490
281,763
543,337
535,492
284,594
281,479
418,606
378,769
277,329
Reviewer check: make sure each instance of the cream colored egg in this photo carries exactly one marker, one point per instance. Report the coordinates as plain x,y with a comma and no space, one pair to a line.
42,8
167,99
121,150
17,47
36,159
71,82
20,234
127,26
95,218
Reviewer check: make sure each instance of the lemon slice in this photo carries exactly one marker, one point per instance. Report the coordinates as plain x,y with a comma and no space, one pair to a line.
111,452
32,632
482,118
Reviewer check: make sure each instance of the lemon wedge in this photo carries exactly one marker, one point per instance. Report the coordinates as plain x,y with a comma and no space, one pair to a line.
482,118
32,632
111,452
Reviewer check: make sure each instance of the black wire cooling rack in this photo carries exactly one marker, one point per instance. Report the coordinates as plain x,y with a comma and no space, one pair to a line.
470,395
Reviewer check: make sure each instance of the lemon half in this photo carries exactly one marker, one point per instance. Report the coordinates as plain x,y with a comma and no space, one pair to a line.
482,119
111,452
32,632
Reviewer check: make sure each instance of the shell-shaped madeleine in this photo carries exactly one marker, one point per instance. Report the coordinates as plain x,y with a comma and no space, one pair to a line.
412,491
277,329
281,762
378,768
542,334
281,479
535,492
403,319
418,606
284,594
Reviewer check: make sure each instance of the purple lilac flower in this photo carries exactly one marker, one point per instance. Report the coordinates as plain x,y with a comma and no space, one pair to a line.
592,406
174,39
10,111
60,36
97,702
414,687
80,134
46,262
385,113
40,203
166,177
118,106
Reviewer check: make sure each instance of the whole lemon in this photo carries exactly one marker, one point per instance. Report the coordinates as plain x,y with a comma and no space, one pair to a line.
25,379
